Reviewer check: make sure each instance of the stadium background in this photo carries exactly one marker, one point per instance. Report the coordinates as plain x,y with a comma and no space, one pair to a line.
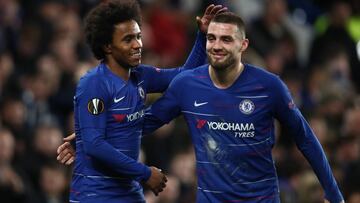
314,45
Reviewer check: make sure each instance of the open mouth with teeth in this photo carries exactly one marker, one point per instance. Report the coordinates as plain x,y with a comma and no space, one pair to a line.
136,55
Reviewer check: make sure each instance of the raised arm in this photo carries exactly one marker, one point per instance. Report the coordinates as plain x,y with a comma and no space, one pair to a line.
158,79
291,118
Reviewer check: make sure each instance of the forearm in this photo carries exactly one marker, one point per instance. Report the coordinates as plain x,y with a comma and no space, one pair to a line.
99,149
197,55
313,152
151,122
161,112
291,118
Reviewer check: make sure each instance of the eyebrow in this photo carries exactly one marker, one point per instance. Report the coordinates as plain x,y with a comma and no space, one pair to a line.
131,35
221,36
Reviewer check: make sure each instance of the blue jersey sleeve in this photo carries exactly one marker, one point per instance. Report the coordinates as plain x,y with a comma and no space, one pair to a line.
197,55
92,99
164,109
158,79
291,118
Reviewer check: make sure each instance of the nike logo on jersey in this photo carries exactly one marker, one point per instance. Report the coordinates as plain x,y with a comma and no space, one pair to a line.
118,100
199,104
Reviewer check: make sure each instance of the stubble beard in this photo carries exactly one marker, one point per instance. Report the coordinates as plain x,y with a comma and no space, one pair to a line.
221,66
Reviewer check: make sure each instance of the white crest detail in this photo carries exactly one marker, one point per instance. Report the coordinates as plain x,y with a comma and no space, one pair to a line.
141,92
246,106
96,105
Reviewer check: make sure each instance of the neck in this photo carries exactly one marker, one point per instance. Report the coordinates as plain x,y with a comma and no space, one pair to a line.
226,77
120,70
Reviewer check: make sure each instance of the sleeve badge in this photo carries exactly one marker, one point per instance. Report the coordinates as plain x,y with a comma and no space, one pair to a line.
95,106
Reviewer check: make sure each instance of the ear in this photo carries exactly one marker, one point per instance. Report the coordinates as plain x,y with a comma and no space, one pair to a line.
107,49
244,45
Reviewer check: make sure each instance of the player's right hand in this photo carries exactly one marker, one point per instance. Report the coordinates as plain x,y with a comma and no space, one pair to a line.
157,181
66,153
210,12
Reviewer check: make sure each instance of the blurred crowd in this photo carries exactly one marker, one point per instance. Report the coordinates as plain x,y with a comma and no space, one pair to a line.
313,45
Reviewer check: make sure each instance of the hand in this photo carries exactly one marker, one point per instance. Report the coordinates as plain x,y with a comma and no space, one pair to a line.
66,153
157,181
204,21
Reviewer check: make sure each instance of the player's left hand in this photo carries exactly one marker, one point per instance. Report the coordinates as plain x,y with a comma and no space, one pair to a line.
204,21
66,153
157,181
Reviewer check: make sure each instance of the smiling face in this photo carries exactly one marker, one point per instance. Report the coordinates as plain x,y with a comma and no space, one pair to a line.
224,45
126,45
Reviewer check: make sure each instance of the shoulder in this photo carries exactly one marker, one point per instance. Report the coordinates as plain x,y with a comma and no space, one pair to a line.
141,68
260,72
263,76
188,77
95,80
94,76
146,72
96,83
192,74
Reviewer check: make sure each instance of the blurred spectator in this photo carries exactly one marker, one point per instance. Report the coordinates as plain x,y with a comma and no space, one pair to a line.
309,188
337,37
10,23
354,197
13,187
322,132
272,40
351,181
183,167
46,139
348,151
37,91
351,122
6,70
249,10
53,183
13,114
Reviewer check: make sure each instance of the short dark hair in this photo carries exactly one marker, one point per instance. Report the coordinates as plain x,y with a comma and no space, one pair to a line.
231,18
101,20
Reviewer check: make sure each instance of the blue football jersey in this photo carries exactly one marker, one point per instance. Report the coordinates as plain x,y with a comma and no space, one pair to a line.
109,116
232,131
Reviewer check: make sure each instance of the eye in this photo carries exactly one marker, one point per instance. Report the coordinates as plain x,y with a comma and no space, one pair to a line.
210,38
127,39
227,39
138,36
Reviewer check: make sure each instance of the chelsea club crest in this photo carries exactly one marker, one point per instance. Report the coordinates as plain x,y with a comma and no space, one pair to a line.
141,92
246,106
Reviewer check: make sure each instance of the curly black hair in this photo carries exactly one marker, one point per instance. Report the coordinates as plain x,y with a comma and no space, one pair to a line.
101,20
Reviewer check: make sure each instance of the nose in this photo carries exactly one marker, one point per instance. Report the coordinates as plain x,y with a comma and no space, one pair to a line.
216,45
137,44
